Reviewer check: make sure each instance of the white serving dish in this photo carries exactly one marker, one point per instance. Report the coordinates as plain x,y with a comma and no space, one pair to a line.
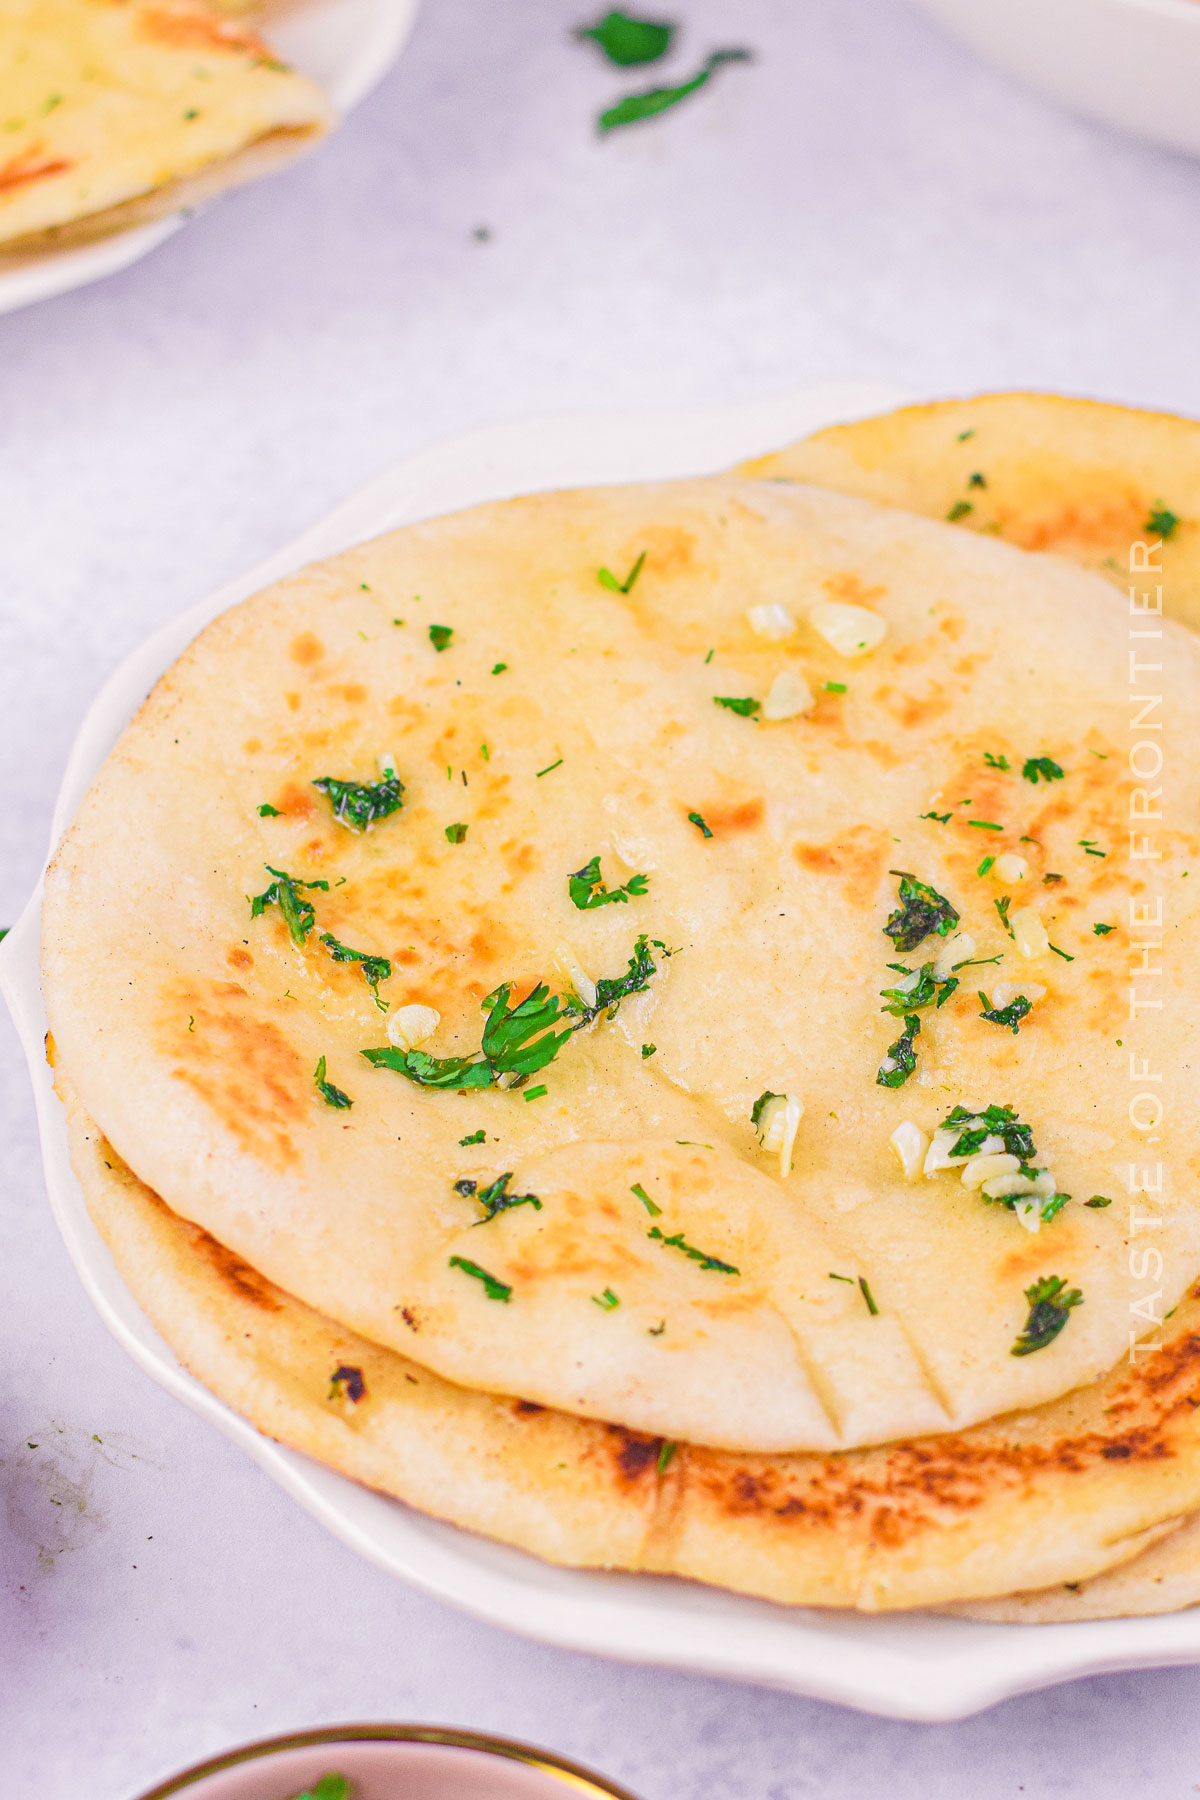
910,1667
346,46
1130,63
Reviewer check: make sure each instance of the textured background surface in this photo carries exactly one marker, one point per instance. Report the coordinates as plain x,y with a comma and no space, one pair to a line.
866,202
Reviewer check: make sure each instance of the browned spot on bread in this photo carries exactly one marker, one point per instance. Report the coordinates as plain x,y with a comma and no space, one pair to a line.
353,692
857,860
185,26
293,702
306,649
21,170
912,710
240,1064
953,625
670,550
252,746
237,958
634,1455
409,1316
246,1282
1090,526
725,817
527,1409
51,1050
851,590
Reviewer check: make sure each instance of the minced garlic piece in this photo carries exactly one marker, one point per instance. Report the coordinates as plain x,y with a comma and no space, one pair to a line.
788,696
1010,867
958,949
986,1168
1029,934
771,620
908,1144
569,965
409,1026
1005,992
777,1124
850,630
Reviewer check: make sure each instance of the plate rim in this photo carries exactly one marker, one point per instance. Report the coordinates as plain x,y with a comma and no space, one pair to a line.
914,1666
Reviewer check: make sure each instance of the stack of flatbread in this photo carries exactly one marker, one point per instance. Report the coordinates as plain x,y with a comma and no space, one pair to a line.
120,111
657,1024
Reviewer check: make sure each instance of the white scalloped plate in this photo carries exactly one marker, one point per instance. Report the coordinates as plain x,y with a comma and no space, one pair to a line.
908,1667
346,46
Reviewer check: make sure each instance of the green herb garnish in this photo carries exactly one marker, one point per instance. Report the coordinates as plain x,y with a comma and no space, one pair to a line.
834,687
669,1445
606,1301
959,510
678,1242
746,708
985,825
495,1290
868,1297
440,635
608,580
1161,522
495,1197
977,480
1103,930
995,762
651,101
475,1137
359,804
612,989
921,910
374,968
927,990
901,1058
938,818
695,819
1050,1305
1088,846
499,668
1009,1016
267,811
985,865
654,1211
648,1050
994,1121
549,769
330,1787
456,834
1002,905
587,890
284,892
627,41
333,1096
1041,768
1097,1201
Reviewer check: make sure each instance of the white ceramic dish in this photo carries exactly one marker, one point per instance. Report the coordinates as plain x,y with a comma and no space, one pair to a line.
1130,63
912,1667
347,46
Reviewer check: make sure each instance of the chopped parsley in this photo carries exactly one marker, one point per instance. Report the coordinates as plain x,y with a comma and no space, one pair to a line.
678,1242
347,1382
1103,930
535,1093
360,804
974,1129
1161,521
912,995
1041,768
654,1211
612,989
474,1137
695,819
267,811
549,769
495,1290
332,1096
1009,1016
745,708
440,636
587,890
1097,1201
834,687
648,1050
626,41
985,865
868,1297
985,825
1088,846
499,668
921,910
330,1787
669,1446
901,1058
651,101
959,510
1065,954
977,480
284,892
456,834
995,762
1050,1304
962,436
608,580
938,818
1051,879
1002,905
606,1301
495,1197
760,1106
374,968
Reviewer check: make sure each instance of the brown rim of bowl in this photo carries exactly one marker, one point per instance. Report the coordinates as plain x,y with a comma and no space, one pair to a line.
570,1773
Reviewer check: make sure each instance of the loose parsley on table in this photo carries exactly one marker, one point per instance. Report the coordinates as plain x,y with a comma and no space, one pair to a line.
1050,1304
587,890
922,910
359,804
901,1058
625,40
651,101
333,1096
284,892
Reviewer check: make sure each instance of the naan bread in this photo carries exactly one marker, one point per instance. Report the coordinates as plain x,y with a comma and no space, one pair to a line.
566,720
1074,1488
1078,478
119,110
1162,1579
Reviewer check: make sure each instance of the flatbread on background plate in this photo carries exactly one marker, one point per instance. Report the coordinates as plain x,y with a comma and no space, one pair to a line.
1077,1487
1078,478
1162,1579
550,679
117,111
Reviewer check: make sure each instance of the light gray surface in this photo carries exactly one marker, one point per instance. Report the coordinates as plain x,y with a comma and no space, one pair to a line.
863,202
